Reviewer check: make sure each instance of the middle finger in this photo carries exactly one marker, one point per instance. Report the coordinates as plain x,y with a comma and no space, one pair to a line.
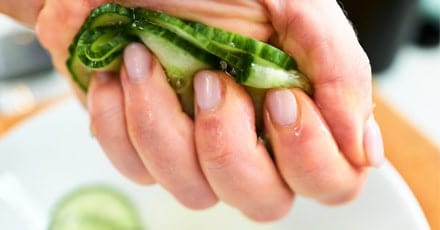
236,164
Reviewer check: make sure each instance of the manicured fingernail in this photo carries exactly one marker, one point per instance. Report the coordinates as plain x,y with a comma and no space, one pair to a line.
282,107
208,91
137,60
373,144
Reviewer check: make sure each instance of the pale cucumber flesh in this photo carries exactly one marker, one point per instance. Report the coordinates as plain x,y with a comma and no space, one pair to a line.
254,63
183,48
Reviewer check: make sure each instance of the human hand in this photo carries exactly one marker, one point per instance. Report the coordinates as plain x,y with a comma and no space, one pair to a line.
141,127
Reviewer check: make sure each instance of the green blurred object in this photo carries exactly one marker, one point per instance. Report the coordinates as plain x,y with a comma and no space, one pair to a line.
96,207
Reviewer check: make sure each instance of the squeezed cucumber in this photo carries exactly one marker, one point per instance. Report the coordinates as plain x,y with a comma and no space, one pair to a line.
254,63
110,27
183,48
95,208
180,59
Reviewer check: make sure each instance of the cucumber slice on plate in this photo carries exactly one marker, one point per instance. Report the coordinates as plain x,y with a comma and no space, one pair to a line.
95,208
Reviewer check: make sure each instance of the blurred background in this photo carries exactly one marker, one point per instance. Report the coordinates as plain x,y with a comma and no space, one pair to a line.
401,38
27,78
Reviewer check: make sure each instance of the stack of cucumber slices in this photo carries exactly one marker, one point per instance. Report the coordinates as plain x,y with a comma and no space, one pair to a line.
183,48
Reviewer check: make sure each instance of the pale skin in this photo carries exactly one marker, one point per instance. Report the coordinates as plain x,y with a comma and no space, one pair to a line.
322,145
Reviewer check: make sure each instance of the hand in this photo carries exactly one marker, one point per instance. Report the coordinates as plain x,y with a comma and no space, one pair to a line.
322,145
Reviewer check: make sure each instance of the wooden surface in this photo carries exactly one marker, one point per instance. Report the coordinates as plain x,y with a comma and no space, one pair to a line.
416,159
414,156
9,122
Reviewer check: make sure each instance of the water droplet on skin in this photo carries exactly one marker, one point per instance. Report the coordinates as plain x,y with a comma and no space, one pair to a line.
318,105
296,132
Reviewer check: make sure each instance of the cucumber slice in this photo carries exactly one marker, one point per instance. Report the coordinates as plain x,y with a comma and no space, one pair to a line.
180,59
98,49
183,48
110,16
203,35
95,208
253,63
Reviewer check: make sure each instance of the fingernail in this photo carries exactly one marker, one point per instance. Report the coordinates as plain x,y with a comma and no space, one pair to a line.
207,88
282,107
373,144
137,60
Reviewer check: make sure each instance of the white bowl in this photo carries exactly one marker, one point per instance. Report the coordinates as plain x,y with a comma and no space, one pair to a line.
54,152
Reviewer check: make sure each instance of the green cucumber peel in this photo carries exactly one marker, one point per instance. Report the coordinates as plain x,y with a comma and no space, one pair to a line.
246,57
183,48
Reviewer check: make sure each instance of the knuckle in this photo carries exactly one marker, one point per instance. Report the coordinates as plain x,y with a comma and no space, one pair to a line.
133,169
140,178
347,192
342,197
149,139
141,127
105,112
362,69
218,160
269,214
364,63
199,199
212,144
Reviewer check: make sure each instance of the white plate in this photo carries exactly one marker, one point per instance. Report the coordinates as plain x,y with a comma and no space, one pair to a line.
53,153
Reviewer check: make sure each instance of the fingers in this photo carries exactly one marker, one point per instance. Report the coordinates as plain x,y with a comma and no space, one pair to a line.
161,133
235,163
305,152
106,108
322,40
